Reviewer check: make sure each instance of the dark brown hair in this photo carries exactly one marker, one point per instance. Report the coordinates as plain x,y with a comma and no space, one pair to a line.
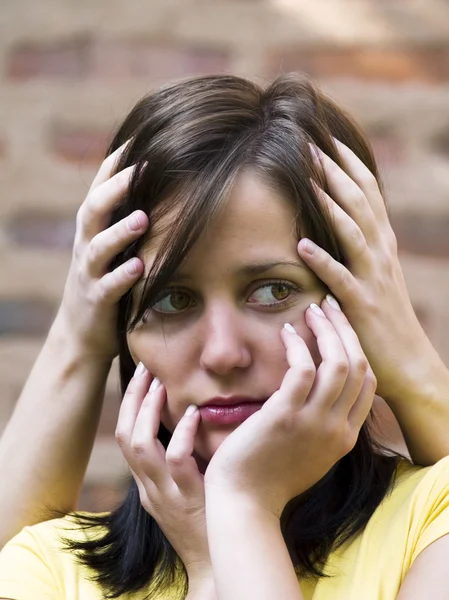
189,141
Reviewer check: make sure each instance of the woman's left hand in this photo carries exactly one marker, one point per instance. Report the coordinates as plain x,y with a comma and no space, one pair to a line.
371,287
306,426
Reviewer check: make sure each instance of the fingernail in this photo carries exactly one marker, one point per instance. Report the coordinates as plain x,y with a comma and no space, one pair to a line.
131,266
310,247
289,327
140,370
191,409
316,309
332,302
134,223
315,152
154,384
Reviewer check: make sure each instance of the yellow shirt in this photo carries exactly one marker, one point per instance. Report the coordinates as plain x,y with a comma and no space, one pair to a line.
371,565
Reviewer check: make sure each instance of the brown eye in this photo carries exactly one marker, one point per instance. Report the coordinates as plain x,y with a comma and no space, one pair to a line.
172,302
273,294
179,300
280,291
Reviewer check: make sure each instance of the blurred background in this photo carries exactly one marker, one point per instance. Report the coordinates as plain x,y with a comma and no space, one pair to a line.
70,71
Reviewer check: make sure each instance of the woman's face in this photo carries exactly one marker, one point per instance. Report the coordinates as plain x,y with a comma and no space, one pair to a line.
223,313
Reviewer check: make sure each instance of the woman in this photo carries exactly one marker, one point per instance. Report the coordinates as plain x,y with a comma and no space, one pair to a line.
231,178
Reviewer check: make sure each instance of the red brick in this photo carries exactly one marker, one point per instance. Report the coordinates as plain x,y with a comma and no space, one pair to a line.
422,233
394,65
42,230
139,58
65,59
25,317
83,58
79,144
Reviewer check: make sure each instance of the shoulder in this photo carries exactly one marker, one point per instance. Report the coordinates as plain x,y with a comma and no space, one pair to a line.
51,534
428,575
37,557
418,504
418,484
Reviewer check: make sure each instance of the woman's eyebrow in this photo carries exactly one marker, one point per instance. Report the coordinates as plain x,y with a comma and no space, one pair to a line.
251,269
259,268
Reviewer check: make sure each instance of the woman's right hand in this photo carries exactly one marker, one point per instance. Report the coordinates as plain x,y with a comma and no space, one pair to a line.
89,305
170,484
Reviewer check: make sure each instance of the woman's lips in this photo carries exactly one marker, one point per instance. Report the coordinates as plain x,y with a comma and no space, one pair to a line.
231,413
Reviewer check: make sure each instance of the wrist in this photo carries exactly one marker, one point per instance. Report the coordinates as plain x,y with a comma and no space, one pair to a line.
220,500
66,343
201,585
425,380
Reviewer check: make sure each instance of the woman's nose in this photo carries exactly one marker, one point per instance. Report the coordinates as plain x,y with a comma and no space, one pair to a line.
224,346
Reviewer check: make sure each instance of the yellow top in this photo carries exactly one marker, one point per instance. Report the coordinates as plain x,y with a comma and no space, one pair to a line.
371,565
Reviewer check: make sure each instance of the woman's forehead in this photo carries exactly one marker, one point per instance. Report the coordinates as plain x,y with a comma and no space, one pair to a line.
254,225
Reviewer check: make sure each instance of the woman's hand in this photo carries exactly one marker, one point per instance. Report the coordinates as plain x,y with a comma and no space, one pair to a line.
170,484
371,287
306,426
89,306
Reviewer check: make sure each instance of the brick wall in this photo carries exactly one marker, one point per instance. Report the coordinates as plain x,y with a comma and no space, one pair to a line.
71,70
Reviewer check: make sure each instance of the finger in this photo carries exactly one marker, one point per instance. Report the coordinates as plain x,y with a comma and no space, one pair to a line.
362,406
95,212
179,455
148,453
332,273
147,491
129,408
348,233
115,284
347,194
358,363
298,380
366,181
108,243
108,166
332,373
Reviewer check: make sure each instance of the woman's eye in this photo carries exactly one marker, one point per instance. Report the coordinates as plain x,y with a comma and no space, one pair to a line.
272,293
172,302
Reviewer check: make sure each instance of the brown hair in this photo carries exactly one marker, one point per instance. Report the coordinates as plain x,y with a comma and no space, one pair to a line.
189,141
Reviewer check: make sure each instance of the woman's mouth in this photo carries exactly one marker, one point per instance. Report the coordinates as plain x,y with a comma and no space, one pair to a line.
230,413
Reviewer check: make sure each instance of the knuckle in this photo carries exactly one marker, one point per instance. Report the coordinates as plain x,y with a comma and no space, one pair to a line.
92,202
93,252
307,372
361,366
103,292
138,447
121,437
340,367
175,458
286,423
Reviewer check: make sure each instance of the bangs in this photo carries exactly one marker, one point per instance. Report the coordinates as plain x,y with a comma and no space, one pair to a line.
179,213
